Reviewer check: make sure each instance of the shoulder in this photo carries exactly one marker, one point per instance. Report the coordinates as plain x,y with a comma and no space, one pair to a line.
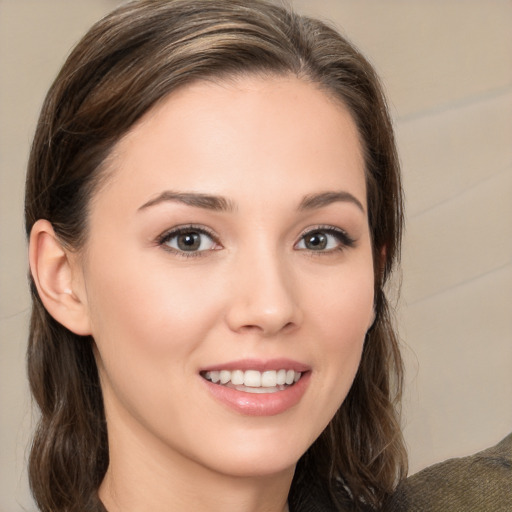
478,483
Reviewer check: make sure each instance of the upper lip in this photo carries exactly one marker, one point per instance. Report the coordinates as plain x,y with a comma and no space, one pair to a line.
259,365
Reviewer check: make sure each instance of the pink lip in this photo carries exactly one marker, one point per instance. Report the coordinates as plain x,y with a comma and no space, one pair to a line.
260,404
260,365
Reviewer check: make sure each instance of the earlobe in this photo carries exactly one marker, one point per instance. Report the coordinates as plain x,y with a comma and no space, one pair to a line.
54,271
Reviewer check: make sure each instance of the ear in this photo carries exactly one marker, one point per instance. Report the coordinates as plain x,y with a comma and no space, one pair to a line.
58,278
382,259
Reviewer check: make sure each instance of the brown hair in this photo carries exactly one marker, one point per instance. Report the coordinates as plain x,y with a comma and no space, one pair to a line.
124,65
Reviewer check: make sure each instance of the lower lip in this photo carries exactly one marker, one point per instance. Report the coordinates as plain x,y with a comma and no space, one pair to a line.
260,404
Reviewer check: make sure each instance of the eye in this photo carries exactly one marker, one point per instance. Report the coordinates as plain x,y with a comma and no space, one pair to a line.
326,239
188,240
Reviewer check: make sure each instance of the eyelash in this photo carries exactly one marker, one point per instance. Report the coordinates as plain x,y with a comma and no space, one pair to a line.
166,237
345,241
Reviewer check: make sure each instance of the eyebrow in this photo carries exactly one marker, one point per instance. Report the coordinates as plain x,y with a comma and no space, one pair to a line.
314,201
221,204
206,201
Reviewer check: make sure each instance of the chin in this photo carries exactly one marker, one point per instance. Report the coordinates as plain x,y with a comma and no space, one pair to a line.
257,466
250,455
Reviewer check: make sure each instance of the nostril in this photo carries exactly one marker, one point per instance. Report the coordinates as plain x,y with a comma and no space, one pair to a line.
265,329
266,306
249,328
289,327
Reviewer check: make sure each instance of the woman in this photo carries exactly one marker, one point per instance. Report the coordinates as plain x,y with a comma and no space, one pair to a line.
214,206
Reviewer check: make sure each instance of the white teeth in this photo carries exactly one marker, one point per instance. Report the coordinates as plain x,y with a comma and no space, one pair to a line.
281,377
237,377
269,379
253,378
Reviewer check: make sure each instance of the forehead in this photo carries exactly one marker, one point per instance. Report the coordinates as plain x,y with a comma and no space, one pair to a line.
245,134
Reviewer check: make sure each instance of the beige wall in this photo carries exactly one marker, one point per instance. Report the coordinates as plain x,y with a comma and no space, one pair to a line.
447,67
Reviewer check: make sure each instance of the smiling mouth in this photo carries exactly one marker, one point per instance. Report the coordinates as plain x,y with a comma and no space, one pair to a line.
254,381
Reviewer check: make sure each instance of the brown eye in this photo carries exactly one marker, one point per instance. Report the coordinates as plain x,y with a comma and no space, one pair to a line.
326,240
316,241
187,240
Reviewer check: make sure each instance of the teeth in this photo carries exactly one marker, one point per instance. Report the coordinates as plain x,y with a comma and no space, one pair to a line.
269,379
237,377
254,378
281,377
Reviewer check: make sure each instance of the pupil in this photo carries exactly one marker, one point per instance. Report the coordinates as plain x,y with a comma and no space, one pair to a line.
316,241
189,241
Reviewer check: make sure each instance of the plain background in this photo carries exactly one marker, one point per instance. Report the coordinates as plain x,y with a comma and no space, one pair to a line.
447,69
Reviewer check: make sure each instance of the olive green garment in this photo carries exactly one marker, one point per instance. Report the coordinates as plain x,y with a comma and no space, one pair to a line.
478,483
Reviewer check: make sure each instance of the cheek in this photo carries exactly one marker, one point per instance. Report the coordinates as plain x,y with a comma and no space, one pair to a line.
343,307
147,323
147,303
340,318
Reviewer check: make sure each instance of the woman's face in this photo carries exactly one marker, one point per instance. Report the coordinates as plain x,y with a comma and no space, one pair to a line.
230,242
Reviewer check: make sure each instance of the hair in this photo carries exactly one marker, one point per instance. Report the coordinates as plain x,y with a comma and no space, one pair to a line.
126,64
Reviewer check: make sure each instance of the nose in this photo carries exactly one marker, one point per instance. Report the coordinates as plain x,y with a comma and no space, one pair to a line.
264,296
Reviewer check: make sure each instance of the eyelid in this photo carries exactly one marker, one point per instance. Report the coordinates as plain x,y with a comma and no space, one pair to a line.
346,241
169,234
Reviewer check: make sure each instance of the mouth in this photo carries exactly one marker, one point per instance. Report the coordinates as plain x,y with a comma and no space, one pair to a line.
254,381
256,387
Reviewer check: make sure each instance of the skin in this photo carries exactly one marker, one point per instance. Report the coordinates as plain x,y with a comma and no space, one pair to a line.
255,290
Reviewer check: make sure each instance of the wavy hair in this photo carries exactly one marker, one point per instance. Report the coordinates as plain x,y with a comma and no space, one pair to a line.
126,64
